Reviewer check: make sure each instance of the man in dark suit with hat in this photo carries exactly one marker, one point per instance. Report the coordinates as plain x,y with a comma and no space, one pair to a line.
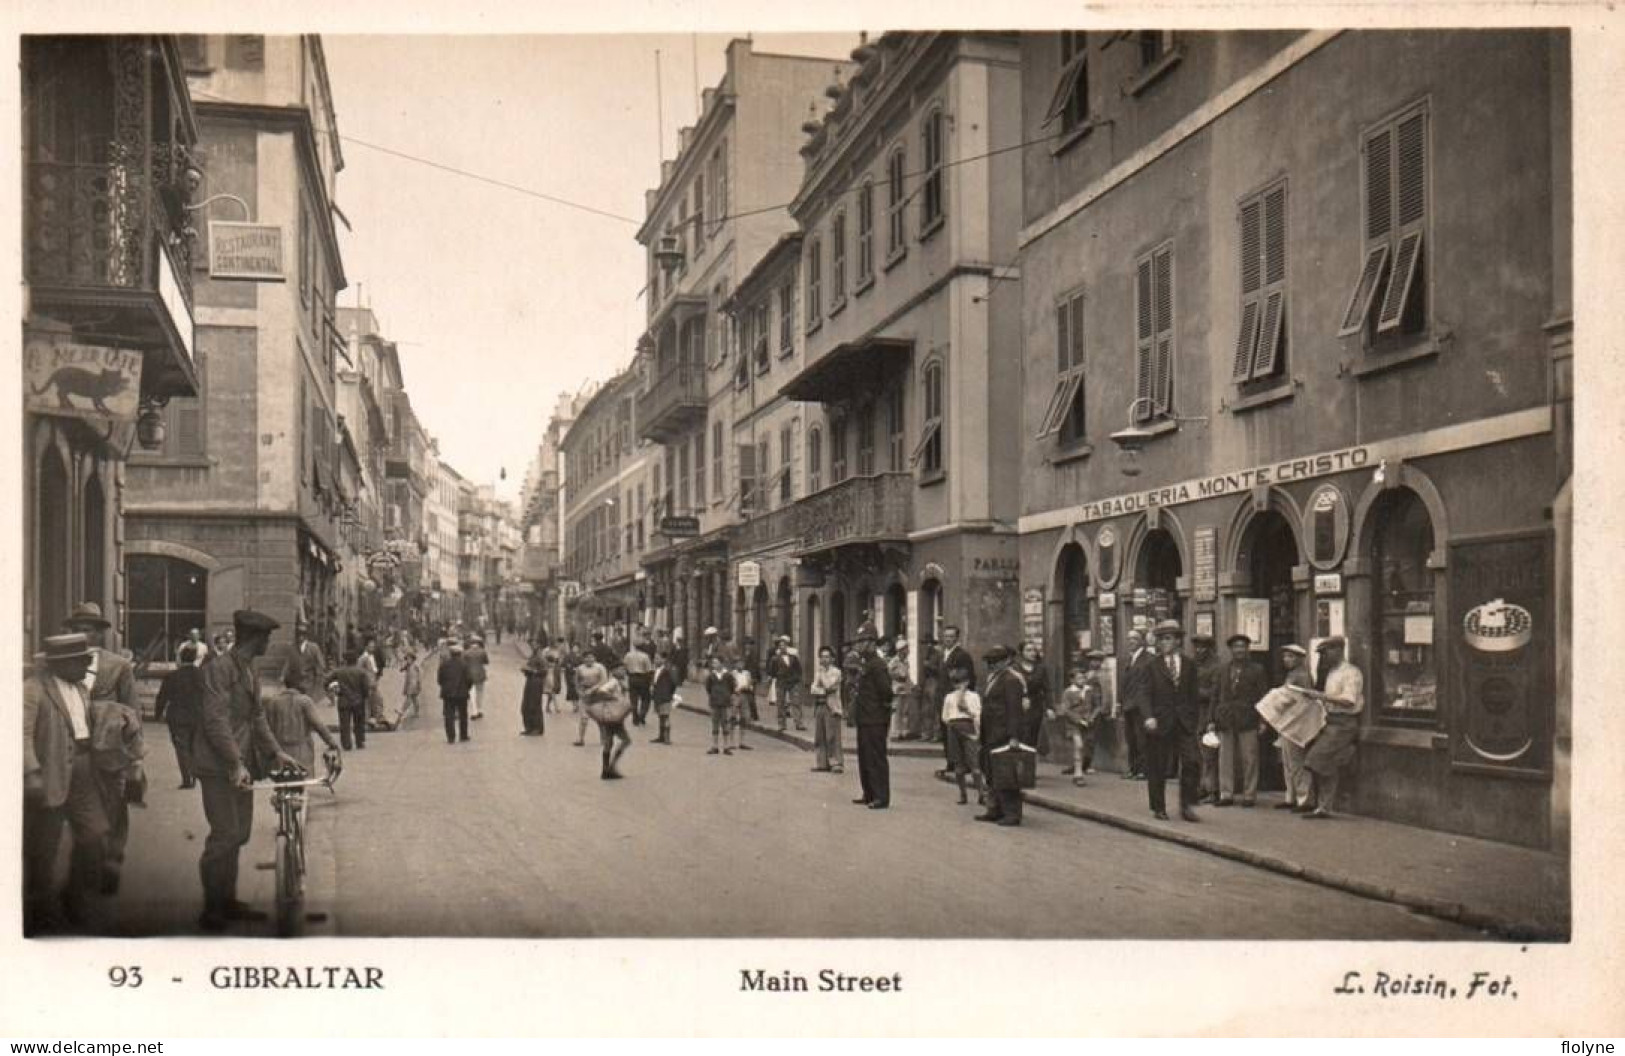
1172,722
233,741
872,715
1002,722
1242,684
59,783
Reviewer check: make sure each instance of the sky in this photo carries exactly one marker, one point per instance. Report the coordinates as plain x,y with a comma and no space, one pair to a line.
500,300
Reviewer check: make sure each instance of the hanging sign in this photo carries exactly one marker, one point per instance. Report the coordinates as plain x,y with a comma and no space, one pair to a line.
675,526
750,574
245,252
1329,583
81,381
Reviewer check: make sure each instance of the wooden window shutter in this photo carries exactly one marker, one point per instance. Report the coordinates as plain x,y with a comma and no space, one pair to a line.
1063,339
1245,342
747,475
1143,340
1412,165
1275,236
1251,259
1163,284
1379,204
1269,335
189,419
1403,279
1359,306
1077,331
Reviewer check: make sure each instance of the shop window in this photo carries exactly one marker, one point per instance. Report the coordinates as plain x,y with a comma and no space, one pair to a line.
1261,342
1404,682
1156,594
168,598
1074,606
1389,299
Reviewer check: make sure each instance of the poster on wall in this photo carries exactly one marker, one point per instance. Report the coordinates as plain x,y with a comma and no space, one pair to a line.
1499,644
1205,546
1108,636
1253,620
1204,624
1328,617
1032,613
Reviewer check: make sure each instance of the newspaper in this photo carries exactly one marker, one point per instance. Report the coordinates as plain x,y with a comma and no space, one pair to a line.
1296,714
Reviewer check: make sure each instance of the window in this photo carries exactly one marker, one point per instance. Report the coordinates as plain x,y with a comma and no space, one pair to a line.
837,262
815,268
630,526
931,203
815,459
760,332
787,317
894,429
896,245
641,512
866,233
716,459
719,333
746,453
719,179
928,452
1070,102
837,450
682,478
168,598
866,441
744,321
1155,45
764,490
699,469
1064,415
1390,295
1261,343
699,213
1154,334
185,438
304,255
682,235
786,485
1405,677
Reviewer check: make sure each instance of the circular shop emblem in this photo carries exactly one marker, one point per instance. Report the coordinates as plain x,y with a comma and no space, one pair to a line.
1108,537
1498,627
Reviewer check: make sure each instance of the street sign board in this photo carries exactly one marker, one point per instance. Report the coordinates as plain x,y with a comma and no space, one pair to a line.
750,574
679,526
249,252
81,381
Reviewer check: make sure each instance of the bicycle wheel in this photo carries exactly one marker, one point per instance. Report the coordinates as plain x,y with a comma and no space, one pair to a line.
287,895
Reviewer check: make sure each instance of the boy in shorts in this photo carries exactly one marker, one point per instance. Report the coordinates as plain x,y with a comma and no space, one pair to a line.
719,693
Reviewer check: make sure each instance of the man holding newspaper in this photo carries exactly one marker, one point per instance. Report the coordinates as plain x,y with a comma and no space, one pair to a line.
1323,722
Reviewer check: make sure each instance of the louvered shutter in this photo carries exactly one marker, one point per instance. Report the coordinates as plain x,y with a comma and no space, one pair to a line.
1163,284
1245,341
1143,340
1269,334
188,429
1275,236
1379,201
1273,317
1411,192
1077,332
747,475
1412,170
1359,306
1251,260
1063,339
1402,279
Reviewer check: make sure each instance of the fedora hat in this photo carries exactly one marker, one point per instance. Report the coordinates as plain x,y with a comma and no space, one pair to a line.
87,614
1169,627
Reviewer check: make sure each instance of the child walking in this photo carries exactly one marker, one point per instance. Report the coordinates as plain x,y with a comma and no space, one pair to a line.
1081,706
962,718
719,694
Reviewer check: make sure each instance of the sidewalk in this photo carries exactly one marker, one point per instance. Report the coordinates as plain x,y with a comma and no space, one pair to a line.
693,699
1514,892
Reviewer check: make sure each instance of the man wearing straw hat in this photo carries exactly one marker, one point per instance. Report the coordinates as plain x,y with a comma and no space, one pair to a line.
1171,723
59,783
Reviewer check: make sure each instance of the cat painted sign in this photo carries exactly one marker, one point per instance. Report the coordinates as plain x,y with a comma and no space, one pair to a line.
81,381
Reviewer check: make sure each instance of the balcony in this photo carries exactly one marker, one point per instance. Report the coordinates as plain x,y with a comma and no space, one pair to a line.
873,509
107,240
674,404
767,529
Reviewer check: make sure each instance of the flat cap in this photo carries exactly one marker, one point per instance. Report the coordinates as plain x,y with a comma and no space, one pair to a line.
997,655
252,622
1336,641
1239,637
1295,649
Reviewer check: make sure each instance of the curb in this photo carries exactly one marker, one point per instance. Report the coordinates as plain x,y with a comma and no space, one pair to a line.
1454,912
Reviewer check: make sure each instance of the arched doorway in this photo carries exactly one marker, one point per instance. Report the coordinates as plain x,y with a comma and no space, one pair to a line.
1074,585
837,621
94,517
895,609
1268,552
1404,678
812,632
1157,574
52,543
757,632
783,611
930,629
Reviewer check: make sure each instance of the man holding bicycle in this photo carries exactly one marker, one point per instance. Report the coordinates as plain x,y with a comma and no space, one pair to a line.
232,729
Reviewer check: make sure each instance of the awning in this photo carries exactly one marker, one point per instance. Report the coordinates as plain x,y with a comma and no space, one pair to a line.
850,370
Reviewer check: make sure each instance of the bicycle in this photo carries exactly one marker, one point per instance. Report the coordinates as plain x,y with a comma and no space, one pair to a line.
288,801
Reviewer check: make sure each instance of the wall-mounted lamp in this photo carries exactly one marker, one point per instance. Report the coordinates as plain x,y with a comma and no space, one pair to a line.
668,254
1131,440
150,429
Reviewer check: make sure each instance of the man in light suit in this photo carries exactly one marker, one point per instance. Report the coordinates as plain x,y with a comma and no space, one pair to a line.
110,683
59,783
1172,722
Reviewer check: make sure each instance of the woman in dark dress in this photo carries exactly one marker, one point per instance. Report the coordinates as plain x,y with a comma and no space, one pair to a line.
1031,666
530,703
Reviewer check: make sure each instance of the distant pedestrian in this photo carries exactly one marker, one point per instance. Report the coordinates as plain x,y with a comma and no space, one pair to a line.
305,665
573,659
348,687
828,707
200,648
784,673
744,705
180,704
1341,688
603,653
552,685
475,658
872,711
640,673
455,687
411,683
719,695
962,719
530,701
606,702
664,692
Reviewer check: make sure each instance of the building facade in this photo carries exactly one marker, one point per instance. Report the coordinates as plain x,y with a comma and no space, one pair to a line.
719,208
110,177
911,321
241,505
1290,308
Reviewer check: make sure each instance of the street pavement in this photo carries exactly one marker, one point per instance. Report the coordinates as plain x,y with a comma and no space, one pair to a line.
510,836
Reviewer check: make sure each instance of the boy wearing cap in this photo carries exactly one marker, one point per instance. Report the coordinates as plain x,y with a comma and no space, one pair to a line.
1235,719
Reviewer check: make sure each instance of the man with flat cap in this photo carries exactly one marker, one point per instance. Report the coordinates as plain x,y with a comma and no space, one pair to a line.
232,742
1242,685
1341,688
59,784
872,707
1002,720
1172,722
1294,659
